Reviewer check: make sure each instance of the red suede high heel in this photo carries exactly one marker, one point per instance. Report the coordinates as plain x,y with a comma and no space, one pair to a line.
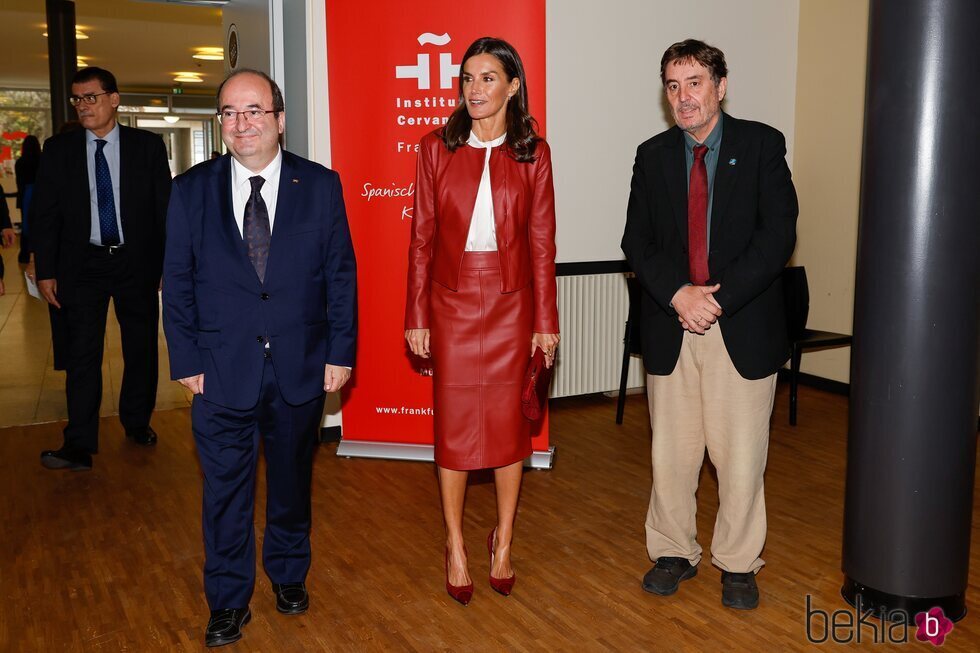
461,593
502,585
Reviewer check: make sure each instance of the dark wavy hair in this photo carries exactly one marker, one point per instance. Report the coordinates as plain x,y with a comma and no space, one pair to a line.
30,151
522,136
693,50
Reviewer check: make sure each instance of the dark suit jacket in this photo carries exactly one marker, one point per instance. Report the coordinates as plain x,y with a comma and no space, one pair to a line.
61,211
753,232
216,312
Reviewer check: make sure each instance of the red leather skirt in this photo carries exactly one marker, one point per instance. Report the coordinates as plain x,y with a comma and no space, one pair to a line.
481,345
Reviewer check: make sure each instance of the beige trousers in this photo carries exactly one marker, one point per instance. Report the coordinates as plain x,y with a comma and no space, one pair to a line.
704,402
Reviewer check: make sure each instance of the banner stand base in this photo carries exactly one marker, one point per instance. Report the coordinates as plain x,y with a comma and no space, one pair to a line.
423,452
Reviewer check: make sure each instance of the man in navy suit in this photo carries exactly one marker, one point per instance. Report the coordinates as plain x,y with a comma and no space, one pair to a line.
711,223
97,228
259,295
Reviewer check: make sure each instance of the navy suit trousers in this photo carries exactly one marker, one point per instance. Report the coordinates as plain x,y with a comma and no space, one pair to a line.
228,448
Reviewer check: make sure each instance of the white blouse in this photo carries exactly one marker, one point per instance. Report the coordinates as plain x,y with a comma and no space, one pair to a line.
482,236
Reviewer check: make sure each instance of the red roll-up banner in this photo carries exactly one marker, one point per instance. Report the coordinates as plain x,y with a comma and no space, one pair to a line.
393,71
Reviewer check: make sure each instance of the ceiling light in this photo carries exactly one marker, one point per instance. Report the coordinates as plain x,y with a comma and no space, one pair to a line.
210,54
172,119
188,78
196,3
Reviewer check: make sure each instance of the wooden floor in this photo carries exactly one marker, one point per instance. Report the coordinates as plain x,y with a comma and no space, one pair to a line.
110,560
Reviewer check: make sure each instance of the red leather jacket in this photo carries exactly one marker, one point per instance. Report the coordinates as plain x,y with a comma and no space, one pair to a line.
524,218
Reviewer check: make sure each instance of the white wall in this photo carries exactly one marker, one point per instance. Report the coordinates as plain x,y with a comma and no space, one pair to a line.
272,36
252,18
604,95
830,129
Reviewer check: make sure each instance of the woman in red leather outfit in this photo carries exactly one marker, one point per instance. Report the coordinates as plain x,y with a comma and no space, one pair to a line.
481,291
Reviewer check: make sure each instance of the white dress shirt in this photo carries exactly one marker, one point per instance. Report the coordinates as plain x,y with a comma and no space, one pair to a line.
111,152
241,189
482,236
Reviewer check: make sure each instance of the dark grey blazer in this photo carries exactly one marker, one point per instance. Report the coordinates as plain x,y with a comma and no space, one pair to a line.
753,233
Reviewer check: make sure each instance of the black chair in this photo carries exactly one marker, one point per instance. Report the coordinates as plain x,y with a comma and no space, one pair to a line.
631,341
796,294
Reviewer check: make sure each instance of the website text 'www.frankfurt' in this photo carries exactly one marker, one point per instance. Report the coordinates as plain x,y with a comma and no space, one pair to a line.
402,410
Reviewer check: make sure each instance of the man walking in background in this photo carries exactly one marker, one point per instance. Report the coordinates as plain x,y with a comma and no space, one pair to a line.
99,210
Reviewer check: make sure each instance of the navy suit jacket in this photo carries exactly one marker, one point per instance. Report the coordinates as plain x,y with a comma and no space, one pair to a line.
216,312
753,232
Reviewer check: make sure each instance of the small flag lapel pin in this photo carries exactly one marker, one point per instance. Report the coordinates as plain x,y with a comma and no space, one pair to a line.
731,162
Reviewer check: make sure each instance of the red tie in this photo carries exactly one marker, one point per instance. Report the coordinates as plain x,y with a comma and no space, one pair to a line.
697,219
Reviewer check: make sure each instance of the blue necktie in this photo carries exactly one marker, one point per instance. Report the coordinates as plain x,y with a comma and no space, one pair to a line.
107,205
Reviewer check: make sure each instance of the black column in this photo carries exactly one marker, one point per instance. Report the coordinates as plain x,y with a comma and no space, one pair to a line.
62,57
914,371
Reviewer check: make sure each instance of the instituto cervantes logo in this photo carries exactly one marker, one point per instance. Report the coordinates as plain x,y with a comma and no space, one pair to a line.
863,624
421,107
421,71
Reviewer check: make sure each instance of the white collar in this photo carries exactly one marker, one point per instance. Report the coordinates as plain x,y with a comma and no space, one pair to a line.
240,174
476,142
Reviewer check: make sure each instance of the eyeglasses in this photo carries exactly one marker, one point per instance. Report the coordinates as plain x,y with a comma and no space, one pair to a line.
251,115
90,98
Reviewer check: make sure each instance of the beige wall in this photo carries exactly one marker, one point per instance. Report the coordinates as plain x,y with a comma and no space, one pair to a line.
832,57
604,95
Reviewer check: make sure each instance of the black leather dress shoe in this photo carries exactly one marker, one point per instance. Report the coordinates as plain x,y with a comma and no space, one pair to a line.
739,591
225,626
666,575
291,598
65,458
146,438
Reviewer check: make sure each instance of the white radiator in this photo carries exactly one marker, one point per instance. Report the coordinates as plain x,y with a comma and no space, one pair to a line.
592,312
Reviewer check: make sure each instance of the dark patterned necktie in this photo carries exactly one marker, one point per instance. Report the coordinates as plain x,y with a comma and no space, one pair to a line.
108,229
697,219
256,229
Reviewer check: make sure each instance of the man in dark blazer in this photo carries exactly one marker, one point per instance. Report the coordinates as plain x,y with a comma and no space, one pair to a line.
99,211
711,223
259,296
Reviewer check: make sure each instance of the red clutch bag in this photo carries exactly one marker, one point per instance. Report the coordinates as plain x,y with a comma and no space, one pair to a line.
534,391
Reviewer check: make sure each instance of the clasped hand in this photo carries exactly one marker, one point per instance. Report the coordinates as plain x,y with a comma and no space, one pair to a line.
696,307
